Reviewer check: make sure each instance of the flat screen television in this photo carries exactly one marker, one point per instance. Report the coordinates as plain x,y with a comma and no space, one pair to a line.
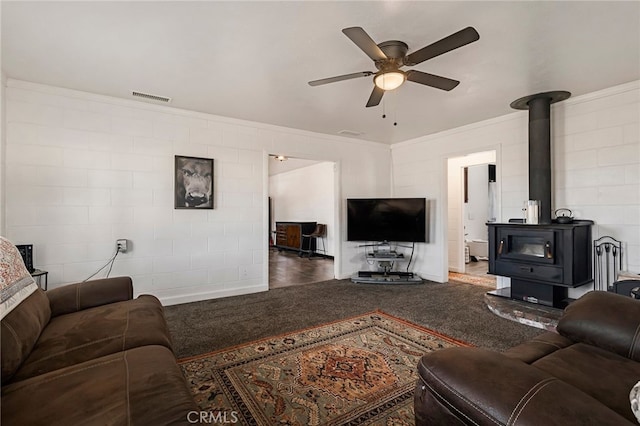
387,219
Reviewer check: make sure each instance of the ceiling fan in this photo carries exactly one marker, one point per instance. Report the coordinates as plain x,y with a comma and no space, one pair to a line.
390,56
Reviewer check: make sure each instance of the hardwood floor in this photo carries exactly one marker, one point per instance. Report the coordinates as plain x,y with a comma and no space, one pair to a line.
475,273
286,268
478,268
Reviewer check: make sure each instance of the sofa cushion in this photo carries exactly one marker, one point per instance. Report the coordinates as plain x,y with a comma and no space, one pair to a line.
538,347
141,386
89,294
24,309
91,333
20,331
607,320
604,375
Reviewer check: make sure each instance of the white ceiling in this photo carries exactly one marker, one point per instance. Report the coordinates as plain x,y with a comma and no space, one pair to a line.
252,60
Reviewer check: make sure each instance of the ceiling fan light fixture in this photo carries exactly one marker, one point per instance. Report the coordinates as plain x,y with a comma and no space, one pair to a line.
390,80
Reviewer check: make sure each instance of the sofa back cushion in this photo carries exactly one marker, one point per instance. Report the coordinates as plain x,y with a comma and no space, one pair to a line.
24,310
20,331
607,320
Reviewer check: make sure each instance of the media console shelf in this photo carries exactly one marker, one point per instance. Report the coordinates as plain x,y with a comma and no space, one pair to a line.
385,275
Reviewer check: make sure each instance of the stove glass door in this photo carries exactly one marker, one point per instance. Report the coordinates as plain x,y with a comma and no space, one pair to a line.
533,246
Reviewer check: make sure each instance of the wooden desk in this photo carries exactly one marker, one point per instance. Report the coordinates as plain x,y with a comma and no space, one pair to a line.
289,236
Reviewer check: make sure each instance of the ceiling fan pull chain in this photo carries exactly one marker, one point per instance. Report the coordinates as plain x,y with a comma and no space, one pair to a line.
394,107
395,115
384,114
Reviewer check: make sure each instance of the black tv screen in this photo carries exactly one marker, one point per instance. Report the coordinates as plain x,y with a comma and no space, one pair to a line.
386,219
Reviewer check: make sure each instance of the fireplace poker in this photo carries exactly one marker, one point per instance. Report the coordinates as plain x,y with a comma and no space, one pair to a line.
598,267
607,249
614,251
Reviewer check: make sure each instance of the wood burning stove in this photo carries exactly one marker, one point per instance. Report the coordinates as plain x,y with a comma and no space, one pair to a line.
543,261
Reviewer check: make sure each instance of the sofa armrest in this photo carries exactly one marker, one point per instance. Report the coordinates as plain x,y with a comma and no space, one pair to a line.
607,320
472,386
89,294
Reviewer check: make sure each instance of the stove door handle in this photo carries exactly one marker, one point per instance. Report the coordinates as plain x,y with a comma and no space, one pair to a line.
547,250
501,246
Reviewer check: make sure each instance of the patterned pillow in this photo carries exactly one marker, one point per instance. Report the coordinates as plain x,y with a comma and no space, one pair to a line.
16,283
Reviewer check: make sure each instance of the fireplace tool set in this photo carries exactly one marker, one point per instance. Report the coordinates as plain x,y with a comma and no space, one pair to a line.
607,262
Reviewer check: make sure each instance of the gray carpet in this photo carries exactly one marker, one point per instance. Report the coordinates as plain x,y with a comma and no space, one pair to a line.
455,309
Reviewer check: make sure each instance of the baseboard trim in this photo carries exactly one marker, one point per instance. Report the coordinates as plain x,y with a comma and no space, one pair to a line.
197,297
431,277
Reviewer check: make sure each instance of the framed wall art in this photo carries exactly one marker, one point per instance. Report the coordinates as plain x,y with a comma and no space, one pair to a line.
193,184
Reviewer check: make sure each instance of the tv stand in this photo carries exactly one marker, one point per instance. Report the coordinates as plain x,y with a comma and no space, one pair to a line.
385,275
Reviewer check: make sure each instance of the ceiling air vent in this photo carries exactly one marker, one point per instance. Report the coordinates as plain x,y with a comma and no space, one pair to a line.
150,96
349,133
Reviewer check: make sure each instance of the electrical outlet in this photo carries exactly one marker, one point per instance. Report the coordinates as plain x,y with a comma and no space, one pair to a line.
122,245
244,273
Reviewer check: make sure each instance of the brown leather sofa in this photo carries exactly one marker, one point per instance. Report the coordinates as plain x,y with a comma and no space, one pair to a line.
89,353
581,375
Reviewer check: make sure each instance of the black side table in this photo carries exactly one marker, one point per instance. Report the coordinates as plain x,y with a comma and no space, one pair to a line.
39,274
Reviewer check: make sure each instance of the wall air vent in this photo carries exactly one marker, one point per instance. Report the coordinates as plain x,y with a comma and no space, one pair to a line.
150,96
349,133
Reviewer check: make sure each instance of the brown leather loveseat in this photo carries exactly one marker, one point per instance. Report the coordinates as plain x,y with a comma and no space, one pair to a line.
89,353
581,375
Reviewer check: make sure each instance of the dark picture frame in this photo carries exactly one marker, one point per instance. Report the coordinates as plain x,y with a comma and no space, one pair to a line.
193,182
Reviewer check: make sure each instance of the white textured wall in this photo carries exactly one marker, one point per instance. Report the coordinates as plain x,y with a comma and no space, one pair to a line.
596,163
83,170
306,195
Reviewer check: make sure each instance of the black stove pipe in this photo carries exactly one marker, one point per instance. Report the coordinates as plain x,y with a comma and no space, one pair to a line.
539,106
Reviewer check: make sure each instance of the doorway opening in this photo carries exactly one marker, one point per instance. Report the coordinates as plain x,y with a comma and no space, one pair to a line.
472,202
301,197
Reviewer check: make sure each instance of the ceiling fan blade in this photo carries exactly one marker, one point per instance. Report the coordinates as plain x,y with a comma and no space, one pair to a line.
340,78
364,42
431,80
376,96
454,41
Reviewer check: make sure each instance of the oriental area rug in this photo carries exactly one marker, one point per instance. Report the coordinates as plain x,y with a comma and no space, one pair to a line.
361,370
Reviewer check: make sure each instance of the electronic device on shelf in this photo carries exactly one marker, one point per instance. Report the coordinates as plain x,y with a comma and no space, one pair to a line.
26,251
391,274
386,255
387,219
372,277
